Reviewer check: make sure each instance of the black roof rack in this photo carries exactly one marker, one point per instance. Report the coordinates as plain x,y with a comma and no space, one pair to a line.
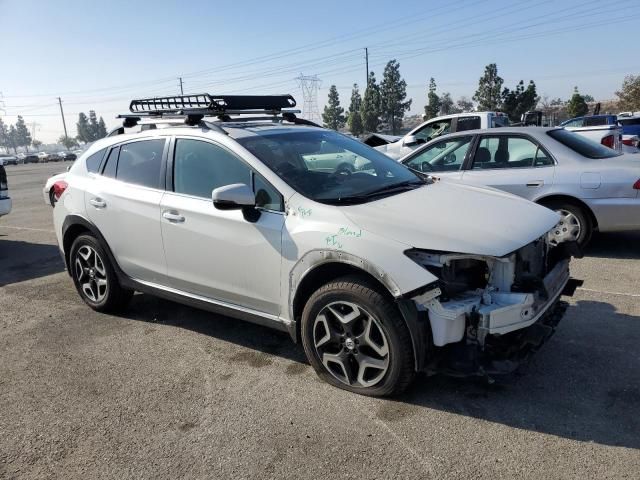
211,104
195,107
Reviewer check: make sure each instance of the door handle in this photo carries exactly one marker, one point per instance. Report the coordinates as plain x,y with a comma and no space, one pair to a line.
535,183
173,217
98,202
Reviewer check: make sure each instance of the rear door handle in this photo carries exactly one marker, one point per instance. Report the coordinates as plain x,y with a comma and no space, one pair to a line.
536,183
98,202
173,217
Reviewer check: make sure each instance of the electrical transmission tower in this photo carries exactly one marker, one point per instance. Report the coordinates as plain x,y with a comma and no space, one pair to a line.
309,84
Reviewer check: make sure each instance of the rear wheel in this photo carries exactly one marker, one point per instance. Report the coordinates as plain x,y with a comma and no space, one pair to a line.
94,276
574,224
355,339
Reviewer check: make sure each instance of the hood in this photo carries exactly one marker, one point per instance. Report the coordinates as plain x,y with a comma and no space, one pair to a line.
452,217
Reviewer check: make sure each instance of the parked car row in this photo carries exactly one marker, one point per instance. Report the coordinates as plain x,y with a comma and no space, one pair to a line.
33,157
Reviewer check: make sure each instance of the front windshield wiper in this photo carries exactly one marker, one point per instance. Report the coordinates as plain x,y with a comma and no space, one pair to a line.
385,190
409,184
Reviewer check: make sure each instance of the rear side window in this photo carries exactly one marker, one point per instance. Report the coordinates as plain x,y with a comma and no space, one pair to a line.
468,123
140,163
579,144
93,161
111,163
629,121
596,121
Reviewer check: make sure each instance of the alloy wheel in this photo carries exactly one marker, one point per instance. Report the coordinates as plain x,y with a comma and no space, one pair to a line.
91,273
351,344
567,229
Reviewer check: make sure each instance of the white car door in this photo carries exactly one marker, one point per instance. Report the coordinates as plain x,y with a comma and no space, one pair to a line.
443,159
511,162
123,201
224,255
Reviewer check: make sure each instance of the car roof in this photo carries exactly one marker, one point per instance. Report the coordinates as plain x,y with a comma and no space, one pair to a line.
501,130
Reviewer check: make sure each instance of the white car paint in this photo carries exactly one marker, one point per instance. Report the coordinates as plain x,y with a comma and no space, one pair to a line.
184,245
456,122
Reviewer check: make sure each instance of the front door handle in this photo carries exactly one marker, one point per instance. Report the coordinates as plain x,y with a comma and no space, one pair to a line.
98,202
173,216
535,183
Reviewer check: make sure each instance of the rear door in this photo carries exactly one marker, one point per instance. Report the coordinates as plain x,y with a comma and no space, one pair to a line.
220,254
511,162
123,201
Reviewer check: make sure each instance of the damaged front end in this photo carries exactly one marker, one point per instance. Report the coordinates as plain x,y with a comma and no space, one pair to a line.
488,314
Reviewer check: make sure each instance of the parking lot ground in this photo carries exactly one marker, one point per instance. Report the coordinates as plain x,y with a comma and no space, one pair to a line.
166,391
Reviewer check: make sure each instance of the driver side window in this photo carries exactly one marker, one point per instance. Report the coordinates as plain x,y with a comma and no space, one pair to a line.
444,156
433,130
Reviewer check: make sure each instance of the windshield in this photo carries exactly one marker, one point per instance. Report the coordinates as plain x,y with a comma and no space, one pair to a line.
328,167
499,121
582,145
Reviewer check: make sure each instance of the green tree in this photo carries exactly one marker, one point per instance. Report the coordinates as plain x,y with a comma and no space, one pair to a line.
354,118
93,126
393,94
84,134
68,142
518,101
489,89
102,129
629,94
464,105
370,108
4,136
432,107
333,115
576,106
36,144
447,105
13,138
23,137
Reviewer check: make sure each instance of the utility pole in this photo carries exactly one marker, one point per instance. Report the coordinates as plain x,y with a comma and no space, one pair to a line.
181,91
366,59
64,124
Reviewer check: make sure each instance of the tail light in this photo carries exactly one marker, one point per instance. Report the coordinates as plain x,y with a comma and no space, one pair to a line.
58,189
636,185
629,141
609,141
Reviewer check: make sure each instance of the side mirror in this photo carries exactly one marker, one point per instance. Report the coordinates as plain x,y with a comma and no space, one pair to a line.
409,140
233,197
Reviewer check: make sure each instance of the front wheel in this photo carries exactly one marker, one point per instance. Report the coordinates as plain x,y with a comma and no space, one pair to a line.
355,338
94,276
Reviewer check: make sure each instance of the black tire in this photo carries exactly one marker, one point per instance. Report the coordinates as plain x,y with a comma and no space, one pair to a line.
111,297
586,225
391,332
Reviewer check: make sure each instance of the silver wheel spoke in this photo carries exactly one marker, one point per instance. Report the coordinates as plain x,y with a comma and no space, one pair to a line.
365,362
366,339
341,361
348,318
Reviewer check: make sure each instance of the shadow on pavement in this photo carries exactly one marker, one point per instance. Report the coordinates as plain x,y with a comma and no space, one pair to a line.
583,385
148,308
20,261
579,386
625,245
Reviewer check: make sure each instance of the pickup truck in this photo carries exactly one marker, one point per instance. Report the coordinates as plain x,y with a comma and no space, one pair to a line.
603,129
438,126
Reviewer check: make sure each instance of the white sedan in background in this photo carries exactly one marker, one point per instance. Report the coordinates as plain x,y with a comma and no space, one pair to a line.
591,186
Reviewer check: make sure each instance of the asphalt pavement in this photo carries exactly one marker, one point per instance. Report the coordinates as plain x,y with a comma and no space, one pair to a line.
165,391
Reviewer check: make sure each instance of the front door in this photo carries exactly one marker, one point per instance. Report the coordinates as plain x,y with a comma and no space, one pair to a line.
220,254
511,162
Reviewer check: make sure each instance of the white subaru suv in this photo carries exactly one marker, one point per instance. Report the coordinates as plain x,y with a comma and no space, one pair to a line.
378,271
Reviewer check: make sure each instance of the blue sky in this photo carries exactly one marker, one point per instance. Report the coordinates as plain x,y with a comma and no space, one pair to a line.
99,55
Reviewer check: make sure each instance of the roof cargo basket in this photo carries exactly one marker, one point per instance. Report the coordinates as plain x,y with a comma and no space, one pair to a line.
197,106
205,103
